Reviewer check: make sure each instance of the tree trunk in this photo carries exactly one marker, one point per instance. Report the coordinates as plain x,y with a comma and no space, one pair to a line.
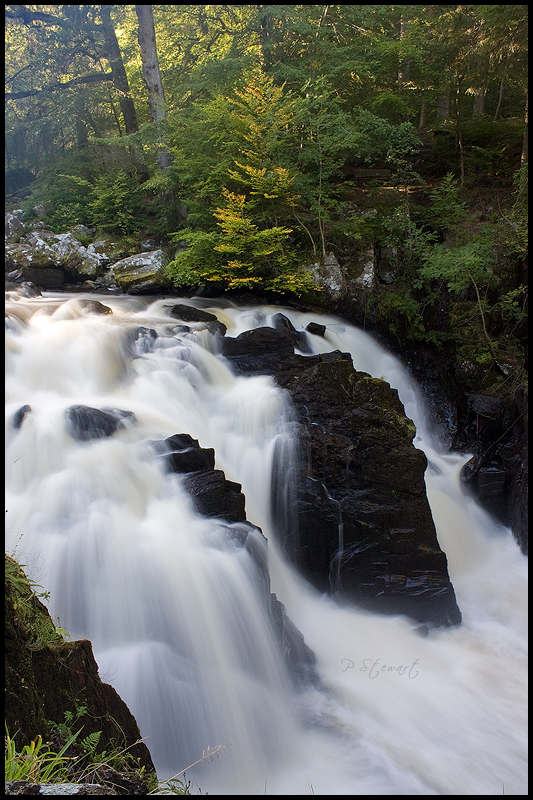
459,130
443,107
151,73
404,68
523,158
120,79
479,102
264,26
500,98
423,112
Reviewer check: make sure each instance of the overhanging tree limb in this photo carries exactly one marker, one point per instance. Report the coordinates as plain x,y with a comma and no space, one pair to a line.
53,87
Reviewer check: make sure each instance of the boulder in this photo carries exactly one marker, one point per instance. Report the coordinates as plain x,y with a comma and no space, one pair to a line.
259,350
191,314
84,423
142,273
43,277
299,338
329,276
497,474
41,250
93,306
18,417
316,329
14,226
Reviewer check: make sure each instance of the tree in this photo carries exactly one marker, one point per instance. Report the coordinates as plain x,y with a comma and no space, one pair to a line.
151,73
74,32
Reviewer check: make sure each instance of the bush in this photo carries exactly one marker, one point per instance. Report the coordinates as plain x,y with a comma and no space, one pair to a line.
67,198
117,203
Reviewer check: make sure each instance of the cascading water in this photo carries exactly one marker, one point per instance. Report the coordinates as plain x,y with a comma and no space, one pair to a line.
173,606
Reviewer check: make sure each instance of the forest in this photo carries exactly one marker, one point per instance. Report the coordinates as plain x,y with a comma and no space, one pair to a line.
254,141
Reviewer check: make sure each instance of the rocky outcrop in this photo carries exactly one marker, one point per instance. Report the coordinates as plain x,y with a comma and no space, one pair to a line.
51,260
497,474
186,313
47,677
353,513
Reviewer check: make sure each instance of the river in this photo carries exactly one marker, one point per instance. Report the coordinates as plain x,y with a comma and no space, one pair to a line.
172,606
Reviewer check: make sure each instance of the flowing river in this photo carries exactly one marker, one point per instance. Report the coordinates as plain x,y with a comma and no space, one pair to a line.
172,605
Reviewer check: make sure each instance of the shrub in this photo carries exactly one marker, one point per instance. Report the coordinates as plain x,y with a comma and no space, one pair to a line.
117,203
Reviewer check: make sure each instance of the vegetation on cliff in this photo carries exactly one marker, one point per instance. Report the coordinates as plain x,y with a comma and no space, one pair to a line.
62,723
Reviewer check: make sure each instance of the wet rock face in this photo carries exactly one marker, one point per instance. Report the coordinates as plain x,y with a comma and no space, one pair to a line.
353,512
496,431
364,529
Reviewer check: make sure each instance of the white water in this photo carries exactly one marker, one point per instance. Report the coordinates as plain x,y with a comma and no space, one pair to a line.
172,606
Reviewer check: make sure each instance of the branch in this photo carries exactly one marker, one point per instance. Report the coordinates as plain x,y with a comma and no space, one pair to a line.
32,16
96,78
480,306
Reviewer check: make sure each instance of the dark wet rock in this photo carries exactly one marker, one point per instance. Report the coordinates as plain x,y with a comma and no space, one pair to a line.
18,416
364,527
45,278
299,338
191,314
23,288
214,496
299,658
84,423
353,513
258,351
316,328
181,453
143,338
496,431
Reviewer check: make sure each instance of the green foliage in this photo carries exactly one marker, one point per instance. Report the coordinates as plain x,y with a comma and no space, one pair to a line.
40,629
117,203
199,262
66,198
462,265
239,255
513,226
36,761
447,208
403,315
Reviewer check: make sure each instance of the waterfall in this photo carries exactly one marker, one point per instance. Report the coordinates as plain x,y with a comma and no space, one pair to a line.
174,606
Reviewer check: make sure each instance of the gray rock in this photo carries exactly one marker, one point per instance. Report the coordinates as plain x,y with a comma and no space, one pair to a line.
144,272
15,228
